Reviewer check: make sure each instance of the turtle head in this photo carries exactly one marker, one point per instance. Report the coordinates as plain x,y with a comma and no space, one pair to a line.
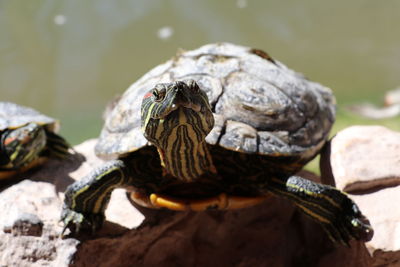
176,118
169,106
23,144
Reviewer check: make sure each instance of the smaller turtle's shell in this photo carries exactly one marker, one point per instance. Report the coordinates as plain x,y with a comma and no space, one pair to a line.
13,116
260,106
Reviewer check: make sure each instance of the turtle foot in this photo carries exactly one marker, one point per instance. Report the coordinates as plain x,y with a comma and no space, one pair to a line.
348,224
76,221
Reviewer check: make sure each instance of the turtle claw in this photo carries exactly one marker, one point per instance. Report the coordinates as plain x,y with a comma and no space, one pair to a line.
76,221
349,224
362,229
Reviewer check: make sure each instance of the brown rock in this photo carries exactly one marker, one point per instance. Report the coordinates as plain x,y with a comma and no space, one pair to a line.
24,224
197,239
270,234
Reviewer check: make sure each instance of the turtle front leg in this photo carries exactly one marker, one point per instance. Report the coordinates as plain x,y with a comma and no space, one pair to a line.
86,200
333,209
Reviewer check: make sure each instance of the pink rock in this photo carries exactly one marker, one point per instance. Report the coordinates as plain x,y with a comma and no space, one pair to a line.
24,249
364,157
381,207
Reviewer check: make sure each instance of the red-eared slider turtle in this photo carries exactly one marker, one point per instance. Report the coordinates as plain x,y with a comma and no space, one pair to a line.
219,127
27,138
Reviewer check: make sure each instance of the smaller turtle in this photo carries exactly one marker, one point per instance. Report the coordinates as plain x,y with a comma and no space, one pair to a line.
27,139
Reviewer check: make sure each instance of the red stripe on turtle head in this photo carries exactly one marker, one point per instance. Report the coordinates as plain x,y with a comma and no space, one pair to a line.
9,140
148,95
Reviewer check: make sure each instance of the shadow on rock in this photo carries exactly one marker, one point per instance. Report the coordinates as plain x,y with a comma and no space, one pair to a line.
273,233
52,171
58,172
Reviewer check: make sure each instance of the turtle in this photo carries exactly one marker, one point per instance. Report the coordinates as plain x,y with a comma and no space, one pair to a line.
216,128
27,139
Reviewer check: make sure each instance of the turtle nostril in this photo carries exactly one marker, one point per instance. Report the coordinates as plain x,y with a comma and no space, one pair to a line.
180,99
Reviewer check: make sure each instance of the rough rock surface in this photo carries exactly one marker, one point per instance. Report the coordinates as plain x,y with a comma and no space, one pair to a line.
273,233
29,220
365,157
364,160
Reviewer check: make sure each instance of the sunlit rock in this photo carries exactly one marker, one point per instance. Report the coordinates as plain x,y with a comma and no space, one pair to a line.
365,157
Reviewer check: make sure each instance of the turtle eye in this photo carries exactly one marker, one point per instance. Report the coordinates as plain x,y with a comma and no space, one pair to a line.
159,94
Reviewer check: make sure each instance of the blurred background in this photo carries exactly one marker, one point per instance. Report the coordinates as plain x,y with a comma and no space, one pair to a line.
68,58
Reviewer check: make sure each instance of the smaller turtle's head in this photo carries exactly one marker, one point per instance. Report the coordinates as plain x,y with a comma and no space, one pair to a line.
23,144
176,118
175,108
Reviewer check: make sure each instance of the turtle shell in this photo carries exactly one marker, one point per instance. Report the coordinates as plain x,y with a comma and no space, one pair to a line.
13,116
260,105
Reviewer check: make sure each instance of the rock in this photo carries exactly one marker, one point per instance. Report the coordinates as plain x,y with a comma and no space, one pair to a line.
364,160
273,233
197,239
23,224
35,251
29,220
30,212
270,234
38,199
121,211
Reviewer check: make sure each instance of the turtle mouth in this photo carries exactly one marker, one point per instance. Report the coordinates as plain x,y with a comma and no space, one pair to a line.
188,105
192,106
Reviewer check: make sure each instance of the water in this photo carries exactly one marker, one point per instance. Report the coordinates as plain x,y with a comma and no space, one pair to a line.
68,58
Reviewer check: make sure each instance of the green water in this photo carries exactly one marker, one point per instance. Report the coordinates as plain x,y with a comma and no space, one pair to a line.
67,58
